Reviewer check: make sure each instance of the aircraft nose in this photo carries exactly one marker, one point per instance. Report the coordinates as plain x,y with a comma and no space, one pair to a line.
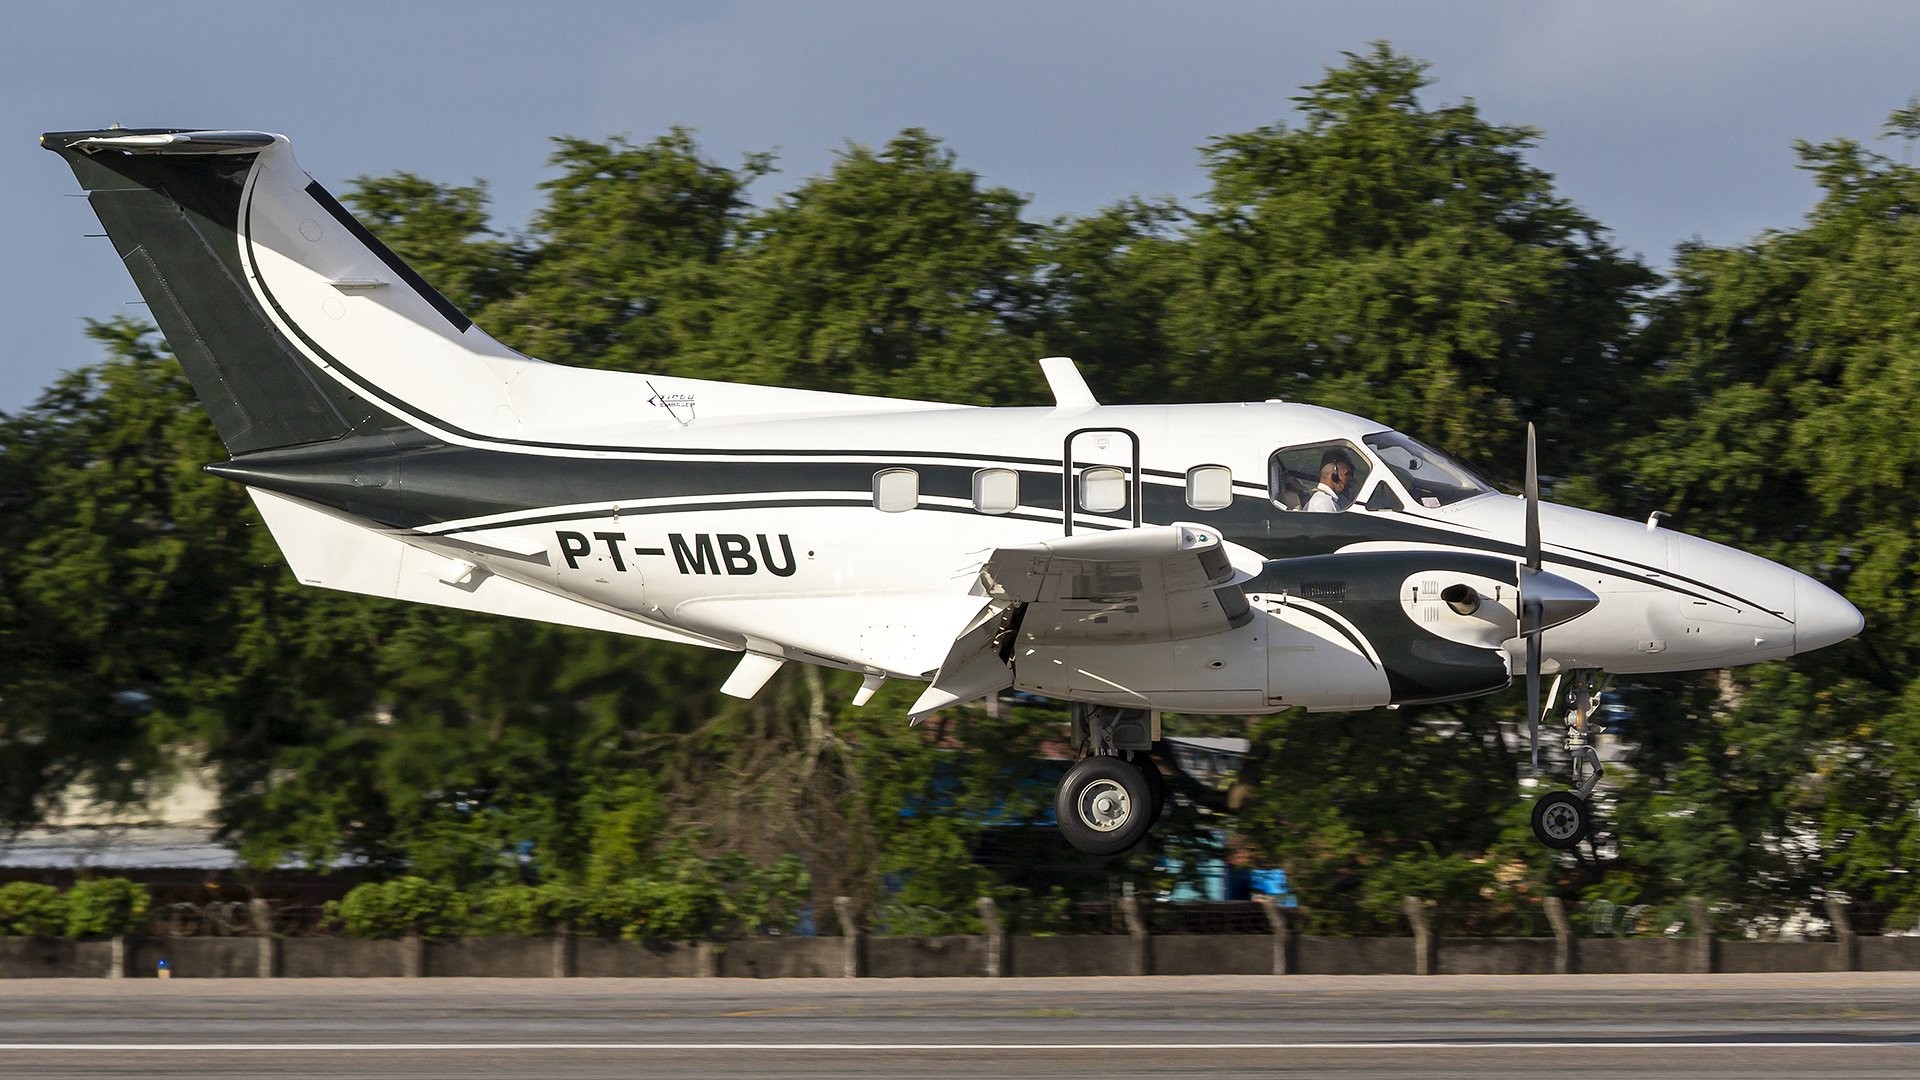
1821,616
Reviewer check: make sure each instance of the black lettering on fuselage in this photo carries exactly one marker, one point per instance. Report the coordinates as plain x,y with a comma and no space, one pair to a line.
572,546
766,556
736,552
699,560
732,553
612,540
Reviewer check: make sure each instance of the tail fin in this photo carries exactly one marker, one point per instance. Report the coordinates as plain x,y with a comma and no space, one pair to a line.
297,326
173,203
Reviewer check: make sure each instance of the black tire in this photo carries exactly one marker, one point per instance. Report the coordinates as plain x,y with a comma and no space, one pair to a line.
1104,805
1561,819
1156,786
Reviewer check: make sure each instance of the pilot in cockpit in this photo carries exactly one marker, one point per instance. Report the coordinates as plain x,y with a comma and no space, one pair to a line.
1336,475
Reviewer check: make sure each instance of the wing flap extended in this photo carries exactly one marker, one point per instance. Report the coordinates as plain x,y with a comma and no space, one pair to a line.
1156,583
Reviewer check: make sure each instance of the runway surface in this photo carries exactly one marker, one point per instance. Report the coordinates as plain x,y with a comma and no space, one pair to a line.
1702,1026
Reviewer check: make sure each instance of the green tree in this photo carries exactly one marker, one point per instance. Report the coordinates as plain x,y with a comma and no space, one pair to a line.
896,274
1786,374
1406,263
623,266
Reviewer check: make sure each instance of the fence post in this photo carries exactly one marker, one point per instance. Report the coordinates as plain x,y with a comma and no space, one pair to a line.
117,957
266,957
1282,934
563,951
413,955
706,960
1566,959
850,929
1846,945
266,964
1424,945
1703,952
996,937
1137,930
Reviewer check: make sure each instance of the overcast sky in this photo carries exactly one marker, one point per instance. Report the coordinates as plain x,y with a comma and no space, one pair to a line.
1665,121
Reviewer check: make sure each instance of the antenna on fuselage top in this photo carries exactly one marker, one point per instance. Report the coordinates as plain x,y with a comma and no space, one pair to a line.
1069,388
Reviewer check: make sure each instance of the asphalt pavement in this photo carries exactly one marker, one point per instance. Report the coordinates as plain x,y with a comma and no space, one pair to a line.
1700,1026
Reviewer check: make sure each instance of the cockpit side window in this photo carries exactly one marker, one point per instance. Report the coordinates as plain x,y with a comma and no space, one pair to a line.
1431,477
1324,476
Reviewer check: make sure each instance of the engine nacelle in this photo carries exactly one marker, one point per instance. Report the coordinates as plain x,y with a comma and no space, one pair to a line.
1329,632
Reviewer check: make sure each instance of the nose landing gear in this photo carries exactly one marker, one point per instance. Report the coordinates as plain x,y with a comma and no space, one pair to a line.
1561,819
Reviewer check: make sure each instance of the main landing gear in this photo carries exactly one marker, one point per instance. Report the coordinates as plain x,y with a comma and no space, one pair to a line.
1561,819
1110,798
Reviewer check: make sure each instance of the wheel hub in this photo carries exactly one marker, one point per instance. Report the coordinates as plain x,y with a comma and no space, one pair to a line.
1560,822
1104,805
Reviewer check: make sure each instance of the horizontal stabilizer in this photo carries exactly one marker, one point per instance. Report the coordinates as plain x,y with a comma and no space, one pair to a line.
178,142
335,552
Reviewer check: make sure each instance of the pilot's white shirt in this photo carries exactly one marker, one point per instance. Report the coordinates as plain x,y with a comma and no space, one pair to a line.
1322,501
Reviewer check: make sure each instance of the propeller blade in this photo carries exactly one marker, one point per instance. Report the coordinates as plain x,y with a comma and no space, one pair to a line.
1532,606
1533,697
1533,503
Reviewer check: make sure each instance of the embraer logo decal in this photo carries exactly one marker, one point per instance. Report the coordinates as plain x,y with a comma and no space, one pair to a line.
696,553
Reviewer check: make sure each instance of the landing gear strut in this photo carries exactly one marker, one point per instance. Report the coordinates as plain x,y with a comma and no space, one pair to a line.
1561,819
1109,799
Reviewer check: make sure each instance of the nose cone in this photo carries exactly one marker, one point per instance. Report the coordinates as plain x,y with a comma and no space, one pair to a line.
1821,616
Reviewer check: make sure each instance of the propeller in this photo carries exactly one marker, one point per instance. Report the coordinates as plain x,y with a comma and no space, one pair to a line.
1532,609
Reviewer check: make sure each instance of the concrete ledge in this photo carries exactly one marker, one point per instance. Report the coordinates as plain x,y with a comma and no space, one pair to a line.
1079,954
1636,956
1888,953
497,958
342,958
782,958
194,957
925,958
47,958
1764,956
1497,956
1212,954
1355,956
920,958
598,958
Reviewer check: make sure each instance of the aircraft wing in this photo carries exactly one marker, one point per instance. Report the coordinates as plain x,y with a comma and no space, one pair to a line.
1157,583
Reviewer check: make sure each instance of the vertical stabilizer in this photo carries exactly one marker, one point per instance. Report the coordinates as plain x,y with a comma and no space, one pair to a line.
171,203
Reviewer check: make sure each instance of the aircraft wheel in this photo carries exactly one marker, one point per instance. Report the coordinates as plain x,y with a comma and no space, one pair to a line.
1561,819
1156,786
1104,805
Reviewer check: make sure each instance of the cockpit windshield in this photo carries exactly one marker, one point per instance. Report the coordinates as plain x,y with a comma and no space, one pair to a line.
1431,477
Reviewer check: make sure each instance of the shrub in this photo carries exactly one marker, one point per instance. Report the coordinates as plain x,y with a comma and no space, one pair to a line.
526,910
99,907
31,909
384,909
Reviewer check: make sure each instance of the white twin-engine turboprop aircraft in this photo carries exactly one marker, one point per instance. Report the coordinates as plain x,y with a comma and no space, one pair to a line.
1240,558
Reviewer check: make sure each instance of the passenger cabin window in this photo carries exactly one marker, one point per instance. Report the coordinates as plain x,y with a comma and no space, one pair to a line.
1323,477
996,491
896,491
1103,489
1209,487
